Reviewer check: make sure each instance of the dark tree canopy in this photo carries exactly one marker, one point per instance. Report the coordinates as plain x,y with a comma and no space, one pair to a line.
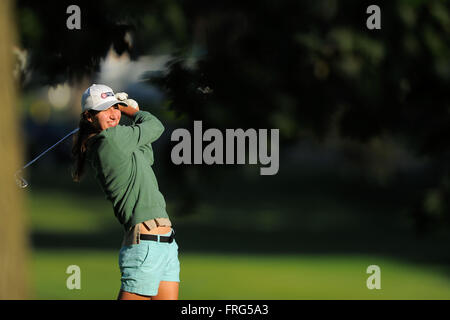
294,65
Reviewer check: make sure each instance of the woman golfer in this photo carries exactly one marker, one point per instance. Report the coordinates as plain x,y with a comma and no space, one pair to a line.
121,157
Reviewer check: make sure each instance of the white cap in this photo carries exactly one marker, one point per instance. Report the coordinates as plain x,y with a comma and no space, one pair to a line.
99,97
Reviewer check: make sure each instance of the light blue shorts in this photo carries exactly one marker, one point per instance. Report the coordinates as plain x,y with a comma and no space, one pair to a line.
145,264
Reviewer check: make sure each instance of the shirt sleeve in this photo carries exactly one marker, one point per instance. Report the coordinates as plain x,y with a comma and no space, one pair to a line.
148,152
145,130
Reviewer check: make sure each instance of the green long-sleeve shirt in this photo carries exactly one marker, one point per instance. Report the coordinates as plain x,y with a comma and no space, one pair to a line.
122,157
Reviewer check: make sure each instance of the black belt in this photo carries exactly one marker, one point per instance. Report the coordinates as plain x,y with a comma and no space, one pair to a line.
158,238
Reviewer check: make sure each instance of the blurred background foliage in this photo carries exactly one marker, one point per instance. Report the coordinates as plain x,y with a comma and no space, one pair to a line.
310,68
363,114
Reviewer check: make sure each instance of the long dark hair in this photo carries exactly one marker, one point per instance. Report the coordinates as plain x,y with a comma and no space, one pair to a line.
80,139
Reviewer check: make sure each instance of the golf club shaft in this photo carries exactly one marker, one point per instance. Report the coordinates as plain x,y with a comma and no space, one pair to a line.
39,156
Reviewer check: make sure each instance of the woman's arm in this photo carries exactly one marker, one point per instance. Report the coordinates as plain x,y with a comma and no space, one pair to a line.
148,152
147,148
145,130
128,111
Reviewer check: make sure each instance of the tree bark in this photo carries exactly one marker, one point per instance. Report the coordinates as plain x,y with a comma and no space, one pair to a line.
13,229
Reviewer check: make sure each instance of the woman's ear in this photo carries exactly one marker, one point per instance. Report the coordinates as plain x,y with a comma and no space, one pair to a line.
87,116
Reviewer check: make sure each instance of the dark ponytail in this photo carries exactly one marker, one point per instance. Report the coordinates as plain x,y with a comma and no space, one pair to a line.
79,149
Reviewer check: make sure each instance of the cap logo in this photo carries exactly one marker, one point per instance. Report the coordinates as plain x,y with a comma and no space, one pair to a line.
106,94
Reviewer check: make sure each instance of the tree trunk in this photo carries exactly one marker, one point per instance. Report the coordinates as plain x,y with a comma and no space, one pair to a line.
13,231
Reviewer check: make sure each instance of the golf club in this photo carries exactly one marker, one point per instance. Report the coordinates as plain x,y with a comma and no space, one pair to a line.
21,182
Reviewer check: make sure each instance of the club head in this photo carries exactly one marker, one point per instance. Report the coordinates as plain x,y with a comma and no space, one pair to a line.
20,181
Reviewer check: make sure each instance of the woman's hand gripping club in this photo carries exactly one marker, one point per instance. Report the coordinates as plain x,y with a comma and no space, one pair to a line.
132,107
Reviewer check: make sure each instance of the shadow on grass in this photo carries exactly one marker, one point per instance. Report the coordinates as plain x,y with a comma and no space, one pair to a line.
291,213
220,240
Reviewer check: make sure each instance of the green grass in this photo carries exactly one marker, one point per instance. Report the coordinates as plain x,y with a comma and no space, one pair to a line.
245,277
53,214
59,212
